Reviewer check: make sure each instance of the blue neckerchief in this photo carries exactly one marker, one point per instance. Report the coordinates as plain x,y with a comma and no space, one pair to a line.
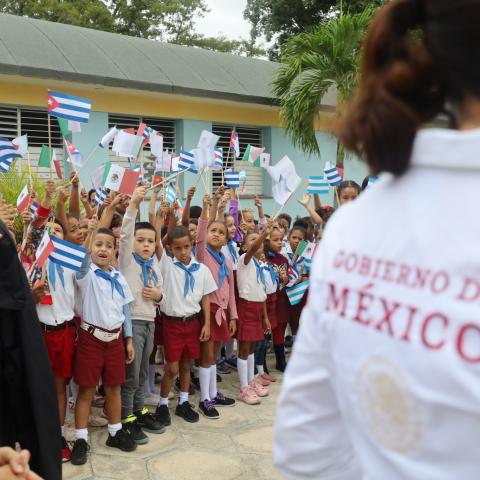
113,279
297,262
219,257
260,275
273,274
232,250
147,266
189,277
194,250
52,266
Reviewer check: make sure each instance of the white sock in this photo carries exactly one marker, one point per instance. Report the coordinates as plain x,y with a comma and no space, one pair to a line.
63,431
242,367
204,376
213,382
81,434
251,367
260,369
163,401
114,428
183,397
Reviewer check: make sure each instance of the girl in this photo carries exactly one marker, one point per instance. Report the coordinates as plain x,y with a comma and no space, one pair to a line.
348,191
254,321
211,238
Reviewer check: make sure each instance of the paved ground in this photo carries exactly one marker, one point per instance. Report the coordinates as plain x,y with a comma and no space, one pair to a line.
238,445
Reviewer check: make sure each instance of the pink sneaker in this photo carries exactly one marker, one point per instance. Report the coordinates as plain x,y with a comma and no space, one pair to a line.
249,396
262,381
269,377
259,390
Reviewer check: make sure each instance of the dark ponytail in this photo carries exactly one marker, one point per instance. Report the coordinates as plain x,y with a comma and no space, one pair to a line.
415,57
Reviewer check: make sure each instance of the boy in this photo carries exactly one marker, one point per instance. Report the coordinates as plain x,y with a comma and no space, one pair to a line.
137,246
105,303
186,293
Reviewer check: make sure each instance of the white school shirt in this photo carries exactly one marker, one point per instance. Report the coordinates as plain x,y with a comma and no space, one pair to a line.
270,286
229,256
384,380
63,299
99,305
249,287
174,303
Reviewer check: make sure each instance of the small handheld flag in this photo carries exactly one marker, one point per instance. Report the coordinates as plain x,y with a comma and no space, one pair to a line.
292,272
296,293
21,144
171,195
100,196
67,254
44,158
56,163
33,208
62,105
301,248
318,186
74,155
235,144
187,161
242,176
108,137
119,179
332,175
8,152
232,179
45,248
217,159
252,155
22,199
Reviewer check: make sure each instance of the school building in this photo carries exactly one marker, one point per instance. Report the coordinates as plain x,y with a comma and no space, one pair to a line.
179,91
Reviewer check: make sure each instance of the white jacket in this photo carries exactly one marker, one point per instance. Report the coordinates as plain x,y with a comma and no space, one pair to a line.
384,381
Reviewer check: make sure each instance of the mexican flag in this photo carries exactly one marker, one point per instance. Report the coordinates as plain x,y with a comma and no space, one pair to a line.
120,179
22,200
252,154
45,248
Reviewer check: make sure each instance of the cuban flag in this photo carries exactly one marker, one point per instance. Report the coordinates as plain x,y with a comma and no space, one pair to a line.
145,131
44,249
292,273
74,155
100,196
232,179
217,159
8,151
181,207
62,105
67,254
33,209
332,175
297,292
187,161
235,144
171,195
318,186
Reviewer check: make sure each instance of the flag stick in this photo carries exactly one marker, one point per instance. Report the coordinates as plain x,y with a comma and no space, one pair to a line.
199,178
223,166
29,170
49,144
169,178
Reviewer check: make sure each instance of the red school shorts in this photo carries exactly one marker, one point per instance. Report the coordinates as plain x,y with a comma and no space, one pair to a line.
61,350
181,339
95,359
272,309
218,333
250,324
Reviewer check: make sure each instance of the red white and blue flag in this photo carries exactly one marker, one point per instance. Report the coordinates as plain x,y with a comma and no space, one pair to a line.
8,151
62,105
74,155
235,144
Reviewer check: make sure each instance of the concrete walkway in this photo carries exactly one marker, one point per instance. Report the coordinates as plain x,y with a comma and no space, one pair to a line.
238,445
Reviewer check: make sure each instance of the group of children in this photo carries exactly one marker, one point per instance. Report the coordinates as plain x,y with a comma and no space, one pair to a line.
194,284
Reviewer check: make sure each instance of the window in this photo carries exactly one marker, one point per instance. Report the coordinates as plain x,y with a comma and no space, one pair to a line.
246,136
165,127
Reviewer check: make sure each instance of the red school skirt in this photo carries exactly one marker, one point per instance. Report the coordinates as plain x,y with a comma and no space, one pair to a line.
218,333
250,325
272,309
282,308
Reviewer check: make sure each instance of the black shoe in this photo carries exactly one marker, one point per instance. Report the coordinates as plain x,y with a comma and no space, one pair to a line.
207,408
122,440
281,363
148,422
133,429
162,415
222,401
186,411
288,341
79,452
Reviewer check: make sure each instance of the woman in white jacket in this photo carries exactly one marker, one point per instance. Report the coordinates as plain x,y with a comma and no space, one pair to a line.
384,382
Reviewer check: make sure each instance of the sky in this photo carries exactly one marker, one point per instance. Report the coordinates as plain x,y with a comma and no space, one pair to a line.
225,18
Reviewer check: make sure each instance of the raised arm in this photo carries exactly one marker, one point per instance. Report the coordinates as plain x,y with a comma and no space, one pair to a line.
89,211
316,201
186,210
152,206
202,229
109,211
316,218
61,215
159,219
74,204
215,201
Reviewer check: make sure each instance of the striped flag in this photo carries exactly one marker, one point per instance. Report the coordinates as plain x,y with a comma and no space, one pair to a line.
307,265
235,144
232,179
23,199
62,105
145,131
332,175
171,195
292,272
296,293
181,207
187,161
318,186
100,196
34,208
45,248
74,155
217,159
67,254
8,152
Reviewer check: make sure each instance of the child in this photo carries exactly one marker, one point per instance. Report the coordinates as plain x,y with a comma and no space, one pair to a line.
254,319
348,191
211,238
137,246
105,298
55,301
186,294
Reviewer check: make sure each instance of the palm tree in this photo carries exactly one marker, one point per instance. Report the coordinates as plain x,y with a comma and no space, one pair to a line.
312,63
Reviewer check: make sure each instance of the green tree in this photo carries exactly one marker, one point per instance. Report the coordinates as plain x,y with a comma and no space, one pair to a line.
312,63
278,20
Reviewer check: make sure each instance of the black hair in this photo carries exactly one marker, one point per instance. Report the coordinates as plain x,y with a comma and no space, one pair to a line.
92,190
365,182
117,220
301,223
145,226
193,221
58,222
195,212
286,217
242,246
300,229
348,184
178,232
105,231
